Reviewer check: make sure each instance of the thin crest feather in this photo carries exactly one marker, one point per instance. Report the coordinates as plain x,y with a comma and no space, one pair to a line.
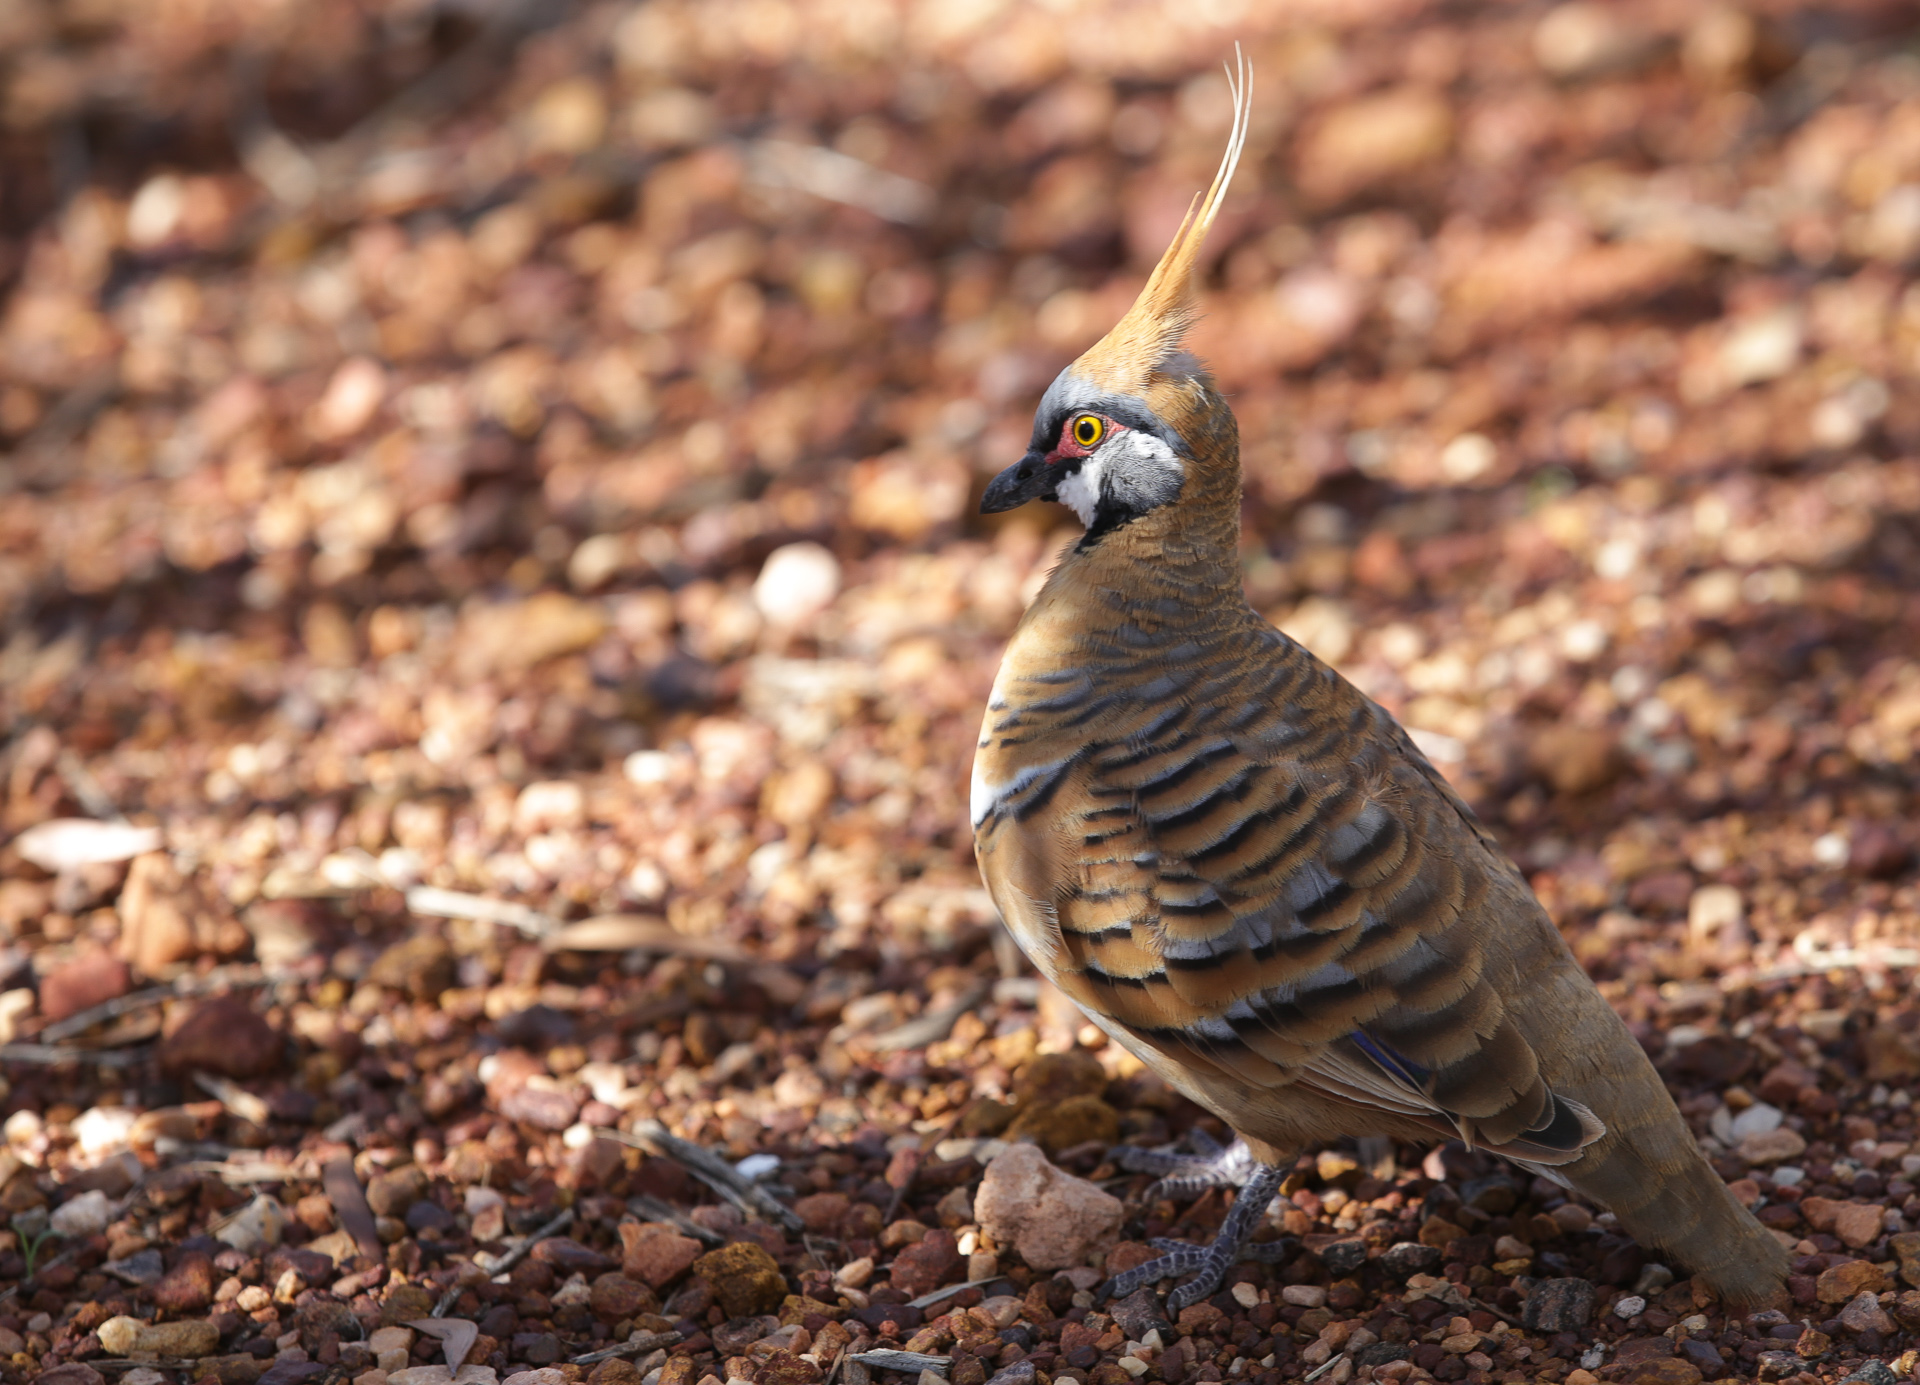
1153,327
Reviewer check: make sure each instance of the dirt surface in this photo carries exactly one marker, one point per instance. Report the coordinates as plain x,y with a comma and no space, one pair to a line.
487,557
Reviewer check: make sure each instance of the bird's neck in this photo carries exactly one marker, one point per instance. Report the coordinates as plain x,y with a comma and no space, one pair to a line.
1174,571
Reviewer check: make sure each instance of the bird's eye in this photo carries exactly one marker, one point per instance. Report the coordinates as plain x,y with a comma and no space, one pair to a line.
1088,430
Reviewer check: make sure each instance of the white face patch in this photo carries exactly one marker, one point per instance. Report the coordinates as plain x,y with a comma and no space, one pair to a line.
1080,492
1134,472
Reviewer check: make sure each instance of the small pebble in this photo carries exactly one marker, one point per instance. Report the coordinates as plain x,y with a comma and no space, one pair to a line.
1629,1307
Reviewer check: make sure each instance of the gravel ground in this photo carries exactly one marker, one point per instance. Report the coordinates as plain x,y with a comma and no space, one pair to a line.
492,625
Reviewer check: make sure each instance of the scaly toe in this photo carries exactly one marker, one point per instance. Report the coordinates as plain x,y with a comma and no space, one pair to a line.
1202,1285
1179,1258
1185,1176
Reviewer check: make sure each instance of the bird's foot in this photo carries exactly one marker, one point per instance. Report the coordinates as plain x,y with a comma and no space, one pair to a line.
1188,1175
1209,1263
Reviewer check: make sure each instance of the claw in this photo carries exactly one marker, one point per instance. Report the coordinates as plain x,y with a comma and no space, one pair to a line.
1208,1264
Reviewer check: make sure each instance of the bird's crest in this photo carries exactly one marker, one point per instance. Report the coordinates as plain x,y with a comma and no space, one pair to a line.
1151,332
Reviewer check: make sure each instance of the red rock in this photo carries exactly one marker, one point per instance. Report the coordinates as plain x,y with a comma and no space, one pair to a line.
1877,851
927,1264
615,1372
188,1286
421,966
1839,1283
223,1035
614,1296
1906,1310
390,1193
541,1102
656,1253
1128,1255
745,1279
1906,1248
1819,1212
1670,1371
158,914
567,1255
1201,1317
822,1212
1055,1077
91,978
785,1368
1783,1082
1859,1224
1575,759
1889,1055
1863,1313
1638,1351
1055,1126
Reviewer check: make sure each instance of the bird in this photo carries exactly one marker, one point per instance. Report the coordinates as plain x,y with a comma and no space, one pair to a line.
1244,871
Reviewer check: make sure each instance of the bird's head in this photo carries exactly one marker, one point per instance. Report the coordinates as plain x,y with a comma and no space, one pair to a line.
1119,431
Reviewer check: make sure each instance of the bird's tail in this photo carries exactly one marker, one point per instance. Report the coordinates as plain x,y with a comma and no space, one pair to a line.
1649,1173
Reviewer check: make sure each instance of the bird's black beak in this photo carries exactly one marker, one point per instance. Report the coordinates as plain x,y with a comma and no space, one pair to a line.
1030,478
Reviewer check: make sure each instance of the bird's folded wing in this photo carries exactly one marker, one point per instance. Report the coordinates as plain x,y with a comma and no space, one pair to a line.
1291,909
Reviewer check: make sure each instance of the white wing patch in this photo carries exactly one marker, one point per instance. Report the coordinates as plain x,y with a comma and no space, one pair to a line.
982,797
986,795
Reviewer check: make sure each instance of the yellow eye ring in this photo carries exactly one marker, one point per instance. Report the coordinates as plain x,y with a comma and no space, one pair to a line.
1088,430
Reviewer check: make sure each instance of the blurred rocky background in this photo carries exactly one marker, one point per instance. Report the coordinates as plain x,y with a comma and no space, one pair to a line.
493,618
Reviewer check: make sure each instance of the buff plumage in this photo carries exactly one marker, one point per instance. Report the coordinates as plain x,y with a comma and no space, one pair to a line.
1241,868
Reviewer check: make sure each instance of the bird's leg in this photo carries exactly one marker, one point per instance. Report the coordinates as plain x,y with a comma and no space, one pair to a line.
1209,1263
1186,1176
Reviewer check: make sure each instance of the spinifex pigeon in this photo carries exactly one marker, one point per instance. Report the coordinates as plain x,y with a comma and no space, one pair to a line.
1243,870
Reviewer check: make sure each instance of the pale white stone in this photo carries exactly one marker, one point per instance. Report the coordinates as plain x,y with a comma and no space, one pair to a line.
69,843
1764,348
1757,1119
1052,1218
796,583
1830,850
85,1215
445,1375
102,1129
1713,908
